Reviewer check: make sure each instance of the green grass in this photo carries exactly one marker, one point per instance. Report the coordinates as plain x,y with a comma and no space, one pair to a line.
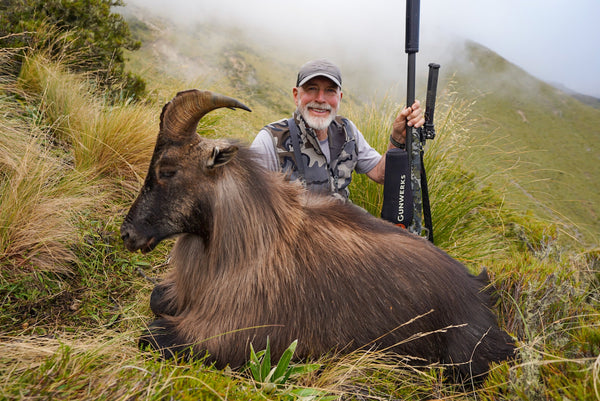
73,301
103,365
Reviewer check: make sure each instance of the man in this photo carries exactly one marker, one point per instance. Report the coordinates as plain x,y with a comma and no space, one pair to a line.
319,147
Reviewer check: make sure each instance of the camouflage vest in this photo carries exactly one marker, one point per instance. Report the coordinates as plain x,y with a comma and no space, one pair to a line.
318,175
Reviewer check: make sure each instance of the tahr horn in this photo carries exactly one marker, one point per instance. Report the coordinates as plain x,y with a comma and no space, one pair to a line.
180,117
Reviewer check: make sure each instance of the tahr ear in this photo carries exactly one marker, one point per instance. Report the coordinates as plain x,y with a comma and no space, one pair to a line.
221,157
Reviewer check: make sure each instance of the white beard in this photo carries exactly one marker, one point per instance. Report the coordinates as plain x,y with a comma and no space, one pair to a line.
317,123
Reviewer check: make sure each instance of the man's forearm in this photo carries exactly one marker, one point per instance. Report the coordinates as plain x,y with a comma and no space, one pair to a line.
377,173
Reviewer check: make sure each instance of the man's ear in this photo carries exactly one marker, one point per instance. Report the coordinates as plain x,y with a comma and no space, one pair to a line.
295,93
221,157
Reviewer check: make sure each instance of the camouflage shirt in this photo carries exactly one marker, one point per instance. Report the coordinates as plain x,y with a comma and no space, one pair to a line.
331,177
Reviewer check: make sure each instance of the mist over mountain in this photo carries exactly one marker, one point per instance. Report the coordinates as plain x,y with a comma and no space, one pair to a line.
371,33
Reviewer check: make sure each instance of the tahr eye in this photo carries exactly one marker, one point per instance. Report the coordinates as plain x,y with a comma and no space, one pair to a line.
166,173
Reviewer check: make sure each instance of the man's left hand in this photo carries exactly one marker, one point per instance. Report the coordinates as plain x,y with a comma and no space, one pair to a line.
413,116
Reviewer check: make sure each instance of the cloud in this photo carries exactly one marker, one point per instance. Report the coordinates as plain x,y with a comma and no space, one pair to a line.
555,40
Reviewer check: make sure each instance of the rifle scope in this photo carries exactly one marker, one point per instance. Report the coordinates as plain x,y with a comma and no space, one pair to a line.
432,81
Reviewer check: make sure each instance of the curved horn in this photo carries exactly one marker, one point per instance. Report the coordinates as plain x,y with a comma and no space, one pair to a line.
181,115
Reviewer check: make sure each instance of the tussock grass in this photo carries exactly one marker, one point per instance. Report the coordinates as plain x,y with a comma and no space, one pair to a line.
39,196
105,365
106,140
551,303
377,375
374,120
63,151
469,215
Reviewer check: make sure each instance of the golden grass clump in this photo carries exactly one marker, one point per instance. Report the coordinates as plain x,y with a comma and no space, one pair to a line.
110,141
39,195
63,151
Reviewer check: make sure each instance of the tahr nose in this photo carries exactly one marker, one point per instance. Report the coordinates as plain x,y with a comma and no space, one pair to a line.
124,232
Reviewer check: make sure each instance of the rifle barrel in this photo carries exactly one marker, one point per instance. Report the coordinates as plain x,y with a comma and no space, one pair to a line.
410,99
413,8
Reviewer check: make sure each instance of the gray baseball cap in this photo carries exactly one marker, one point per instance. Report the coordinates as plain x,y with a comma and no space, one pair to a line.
319,68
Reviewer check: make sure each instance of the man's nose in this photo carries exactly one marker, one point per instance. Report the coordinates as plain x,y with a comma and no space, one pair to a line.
320,96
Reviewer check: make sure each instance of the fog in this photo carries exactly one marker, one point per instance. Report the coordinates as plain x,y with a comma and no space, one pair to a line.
554,40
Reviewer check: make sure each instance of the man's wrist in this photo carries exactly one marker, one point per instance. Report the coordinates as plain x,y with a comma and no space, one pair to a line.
396,143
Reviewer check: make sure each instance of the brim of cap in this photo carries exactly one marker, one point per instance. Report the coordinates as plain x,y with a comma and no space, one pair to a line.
320,74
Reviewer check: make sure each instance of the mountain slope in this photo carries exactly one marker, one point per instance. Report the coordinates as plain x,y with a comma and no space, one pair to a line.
548,139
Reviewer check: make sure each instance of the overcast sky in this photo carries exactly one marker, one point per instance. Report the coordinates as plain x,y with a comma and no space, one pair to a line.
555,40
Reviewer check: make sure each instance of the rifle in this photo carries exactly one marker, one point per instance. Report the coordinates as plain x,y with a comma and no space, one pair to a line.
404,204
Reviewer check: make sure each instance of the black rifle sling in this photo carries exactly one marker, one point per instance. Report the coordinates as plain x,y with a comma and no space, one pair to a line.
426,205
